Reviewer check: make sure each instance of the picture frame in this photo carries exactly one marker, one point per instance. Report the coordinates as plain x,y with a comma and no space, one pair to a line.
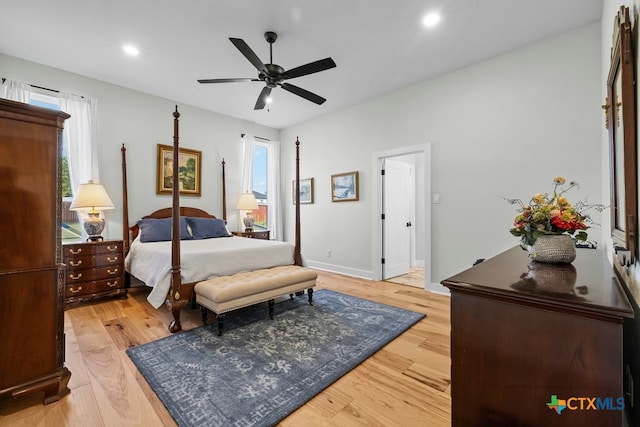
621,125
190,164
306,191
344,187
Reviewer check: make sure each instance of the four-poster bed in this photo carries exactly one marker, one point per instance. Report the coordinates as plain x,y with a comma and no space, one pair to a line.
200,259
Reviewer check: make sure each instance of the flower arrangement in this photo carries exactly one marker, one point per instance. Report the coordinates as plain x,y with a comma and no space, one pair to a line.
552,214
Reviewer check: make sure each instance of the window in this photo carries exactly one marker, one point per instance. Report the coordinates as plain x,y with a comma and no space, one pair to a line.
259,186
71,227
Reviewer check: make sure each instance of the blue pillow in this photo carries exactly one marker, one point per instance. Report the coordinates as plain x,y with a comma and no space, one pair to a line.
207,228
159,230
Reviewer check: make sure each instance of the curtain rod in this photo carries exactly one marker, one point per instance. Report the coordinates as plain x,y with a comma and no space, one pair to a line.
43,88
256,137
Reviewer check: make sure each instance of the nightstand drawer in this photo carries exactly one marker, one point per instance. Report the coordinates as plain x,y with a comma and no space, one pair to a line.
85,249
262,234
75,276
92,287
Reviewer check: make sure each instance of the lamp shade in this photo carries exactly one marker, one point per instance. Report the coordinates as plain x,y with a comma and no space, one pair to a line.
247,202
91,197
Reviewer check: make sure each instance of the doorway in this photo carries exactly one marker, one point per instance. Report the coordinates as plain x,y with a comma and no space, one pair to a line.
398,215
419,230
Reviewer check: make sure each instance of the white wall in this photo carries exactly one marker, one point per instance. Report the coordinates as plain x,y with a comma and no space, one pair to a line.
142,121
501,128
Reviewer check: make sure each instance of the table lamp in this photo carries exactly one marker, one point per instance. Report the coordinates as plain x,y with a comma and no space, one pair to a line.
247,202
92,198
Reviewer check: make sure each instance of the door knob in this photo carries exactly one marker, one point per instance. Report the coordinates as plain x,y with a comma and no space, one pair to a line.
409,224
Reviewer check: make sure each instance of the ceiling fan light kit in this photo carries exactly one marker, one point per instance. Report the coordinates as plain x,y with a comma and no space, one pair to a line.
274,75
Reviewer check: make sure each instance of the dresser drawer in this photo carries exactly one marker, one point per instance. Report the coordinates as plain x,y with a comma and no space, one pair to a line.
92,261
85,249
76,275
92,287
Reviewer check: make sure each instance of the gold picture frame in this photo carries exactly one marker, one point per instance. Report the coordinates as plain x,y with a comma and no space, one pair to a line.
190,164
344,187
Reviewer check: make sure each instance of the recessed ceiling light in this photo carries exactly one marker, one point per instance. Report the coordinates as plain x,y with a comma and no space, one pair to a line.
430,20
130,50
269,100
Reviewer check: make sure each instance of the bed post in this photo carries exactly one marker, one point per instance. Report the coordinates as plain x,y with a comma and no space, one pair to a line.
297,257
224,194
125,202
126,237
174,301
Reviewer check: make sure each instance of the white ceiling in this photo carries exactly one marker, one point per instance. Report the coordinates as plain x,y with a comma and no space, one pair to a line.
378,45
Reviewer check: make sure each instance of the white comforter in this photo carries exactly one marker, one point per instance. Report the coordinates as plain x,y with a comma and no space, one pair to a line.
201,260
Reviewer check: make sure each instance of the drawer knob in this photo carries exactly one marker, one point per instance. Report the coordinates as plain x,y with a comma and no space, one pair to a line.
113,272
72,277
112,248
75,264
76,252
114,259
75,291
112,285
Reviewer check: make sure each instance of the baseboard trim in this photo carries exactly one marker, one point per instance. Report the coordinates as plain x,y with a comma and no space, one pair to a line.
332,268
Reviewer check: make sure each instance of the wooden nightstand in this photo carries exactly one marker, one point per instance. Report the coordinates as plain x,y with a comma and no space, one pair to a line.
93,270
255,234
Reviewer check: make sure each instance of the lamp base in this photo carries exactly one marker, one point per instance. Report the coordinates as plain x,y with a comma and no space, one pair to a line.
93,226
248,221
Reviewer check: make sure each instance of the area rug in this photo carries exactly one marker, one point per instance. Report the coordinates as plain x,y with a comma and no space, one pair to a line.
261,370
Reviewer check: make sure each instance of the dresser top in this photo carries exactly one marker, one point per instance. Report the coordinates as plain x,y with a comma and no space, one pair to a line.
588,284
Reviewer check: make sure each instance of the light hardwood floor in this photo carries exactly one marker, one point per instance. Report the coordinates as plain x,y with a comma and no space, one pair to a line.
407,383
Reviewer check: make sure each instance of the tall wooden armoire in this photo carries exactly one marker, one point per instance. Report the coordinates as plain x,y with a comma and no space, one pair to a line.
31,270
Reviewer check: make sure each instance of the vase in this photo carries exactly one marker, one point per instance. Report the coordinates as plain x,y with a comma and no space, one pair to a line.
553,248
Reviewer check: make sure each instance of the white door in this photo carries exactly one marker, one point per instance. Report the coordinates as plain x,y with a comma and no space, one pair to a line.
397,202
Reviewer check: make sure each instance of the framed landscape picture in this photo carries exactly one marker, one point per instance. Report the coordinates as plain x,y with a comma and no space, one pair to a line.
344,187
306,191
189,163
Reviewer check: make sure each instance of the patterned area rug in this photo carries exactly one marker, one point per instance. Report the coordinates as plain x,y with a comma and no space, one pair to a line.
260,370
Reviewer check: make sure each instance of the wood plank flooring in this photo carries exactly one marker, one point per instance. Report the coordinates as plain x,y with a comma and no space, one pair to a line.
407,383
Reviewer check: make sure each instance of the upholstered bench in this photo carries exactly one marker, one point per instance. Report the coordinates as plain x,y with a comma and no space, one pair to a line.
227,293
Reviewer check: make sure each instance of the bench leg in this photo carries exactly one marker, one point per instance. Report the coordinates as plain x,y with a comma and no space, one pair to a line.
204,312
310,293
220,323
271,304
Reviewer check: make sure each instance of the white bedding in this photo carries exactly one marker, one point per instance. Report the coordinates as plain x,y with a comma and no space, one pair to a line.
201,260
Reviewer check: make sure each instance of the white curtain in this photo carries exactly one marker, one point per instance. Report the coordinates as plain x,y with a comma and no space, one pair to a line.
80,136
273,191
16,91
247,164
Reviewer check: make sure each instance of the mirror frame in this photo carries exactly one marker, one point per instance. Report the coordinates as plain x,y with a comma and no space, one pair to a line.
621,111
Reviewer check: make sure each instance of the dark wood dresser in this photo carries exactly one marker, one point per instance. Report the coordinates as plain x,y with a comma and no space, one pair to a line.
31,270
94,270
522,334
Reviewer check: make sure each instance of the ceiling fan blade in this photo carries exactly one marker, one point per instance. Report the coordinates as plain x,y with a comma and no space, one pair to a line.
228,80
303,93
262,99
249,54
310,68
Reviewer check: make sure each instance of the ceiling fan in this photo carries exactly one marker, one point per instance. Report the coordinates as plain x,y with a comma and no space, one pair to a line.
274,75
